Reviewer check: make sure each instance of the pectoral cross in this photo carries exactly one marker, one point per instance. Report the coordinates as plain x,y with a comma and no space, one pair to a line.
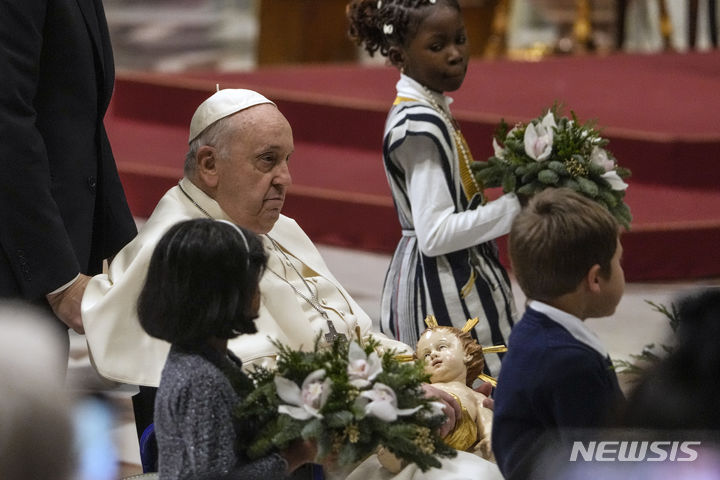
332,334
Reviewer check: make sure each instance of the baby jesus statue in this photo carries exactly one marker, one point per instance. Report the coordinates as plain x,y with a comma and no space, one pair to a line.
454,360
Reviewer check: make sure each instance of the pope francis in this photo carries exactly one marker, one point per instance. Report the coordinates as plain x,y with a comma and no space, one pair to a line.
237,170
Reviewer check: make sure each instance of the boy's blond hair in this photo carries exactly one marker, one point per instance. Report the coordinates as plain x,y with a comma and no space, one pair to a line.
556,239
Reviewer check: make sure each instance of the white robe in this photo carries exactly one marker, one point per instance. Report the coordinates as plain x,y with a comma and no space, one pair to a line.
466,466
121,350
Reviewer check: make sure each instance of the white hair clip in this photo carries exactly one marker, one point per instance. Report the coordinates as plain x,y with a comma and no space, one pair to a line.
388,29
432,1
379,5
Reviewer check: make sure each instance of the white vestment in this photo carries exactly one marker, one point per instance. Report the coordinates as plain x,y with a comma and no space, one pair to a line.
121,350
465,466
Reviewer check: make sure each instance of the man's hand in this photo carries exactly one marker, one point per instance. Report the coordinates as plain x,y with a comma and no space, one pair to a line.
451,410
486,389
66,304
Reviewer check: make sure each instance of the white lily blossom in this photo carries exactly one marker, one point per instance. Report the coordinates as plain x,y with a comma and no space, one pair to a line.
616,183
307,401
499,151
600,157
436,408
362,368
538,139
382,403
548,121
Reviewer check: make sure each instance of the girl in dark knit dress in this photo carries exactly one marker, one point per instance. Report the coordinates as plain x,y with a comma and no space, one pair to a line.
201,290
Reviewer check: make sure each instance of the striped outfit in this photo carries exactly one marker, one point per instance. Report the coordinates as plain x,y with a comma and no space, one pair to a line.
446,263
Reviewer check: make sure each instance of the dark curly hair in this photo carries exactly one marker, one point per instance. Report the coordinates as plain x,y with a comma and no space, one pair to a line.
368,17
202,282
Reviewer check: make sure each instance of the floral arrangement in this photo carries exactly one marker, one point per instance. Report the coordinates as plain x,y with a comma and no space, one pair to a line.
555,151
349,399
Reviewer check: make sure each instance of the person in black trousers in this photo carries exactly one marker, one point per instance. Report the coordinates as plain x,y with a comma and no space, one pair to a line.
62,207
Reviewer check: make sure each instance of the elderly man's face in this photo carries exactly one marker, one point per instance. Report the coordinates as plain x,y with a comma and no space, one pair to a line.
253,179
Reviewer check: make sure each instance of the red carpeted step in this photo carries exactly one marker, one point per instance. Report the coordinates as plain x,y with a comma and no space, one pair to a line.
659,111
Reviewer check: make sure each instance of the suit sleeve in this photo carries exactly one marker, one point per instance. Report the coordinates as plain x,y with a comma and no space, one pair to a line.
33,237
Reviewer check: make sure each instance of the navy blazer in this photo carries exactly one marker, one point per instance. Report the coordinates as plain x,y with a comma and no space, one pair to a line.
548,381
62,207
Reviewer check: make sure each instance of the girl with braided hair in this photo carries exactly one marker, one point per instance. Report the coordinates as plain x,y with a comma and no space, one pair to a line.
446,263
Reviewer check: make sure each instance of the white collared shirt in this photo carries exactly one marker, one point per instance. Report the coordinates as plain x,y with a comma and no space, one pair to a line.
572,324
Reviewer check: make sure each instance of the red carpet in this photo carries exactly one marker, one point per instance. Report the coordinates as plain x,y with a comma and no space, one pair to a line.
659,112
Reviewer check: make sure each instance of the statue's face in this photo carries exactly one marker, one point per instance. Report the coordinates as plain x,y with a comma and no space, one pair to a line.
444,356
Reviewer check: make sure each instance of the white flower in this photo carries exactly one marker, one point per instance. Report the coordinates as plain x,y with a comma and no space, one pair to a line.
362,368
498,150
382,403
388,29
616,183
437,408
538,138
600,157
307,401
548,121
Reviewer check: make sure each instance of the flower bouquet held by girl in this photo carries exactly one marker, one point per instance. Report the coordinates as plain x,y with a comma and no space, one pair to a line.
347,398
555,151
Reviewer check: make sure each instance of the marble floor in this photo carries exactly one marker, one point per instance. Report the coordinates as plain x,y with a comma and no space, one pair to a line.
634,325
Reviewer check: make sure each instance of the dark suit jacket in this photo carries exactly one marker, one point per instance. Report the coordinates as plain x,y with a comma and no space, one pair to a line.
62,207
549,383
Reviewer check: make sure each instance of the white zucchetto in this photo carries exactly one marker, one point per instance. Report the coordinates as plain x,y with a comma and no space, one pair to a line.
221,104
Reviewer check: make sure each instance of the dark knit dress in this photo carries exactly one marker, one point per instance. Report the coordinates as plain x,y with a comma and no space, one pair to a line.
194,421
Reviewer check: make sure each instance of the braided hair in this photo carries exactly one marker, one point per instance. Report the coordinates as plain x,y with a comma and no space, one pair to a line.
379,25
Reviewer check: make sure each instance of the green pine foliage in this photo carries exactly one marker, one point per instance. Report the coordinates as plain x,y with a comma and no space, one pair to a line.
569,164
651,353
344,431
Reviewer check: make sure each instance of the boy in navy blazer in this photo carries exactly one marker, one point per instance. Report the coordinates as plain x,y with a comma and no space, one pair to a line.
565,253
